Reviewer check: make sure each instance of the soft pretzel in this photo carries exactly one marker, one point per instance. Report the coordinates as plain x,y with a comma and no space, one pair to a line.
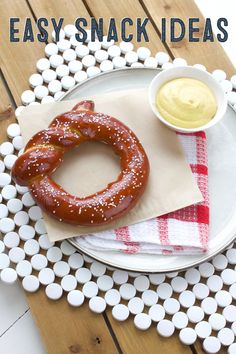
44,153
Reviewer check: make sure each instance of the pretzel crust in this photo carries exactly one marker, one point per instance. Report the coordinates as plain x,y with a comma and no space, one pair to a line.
44,153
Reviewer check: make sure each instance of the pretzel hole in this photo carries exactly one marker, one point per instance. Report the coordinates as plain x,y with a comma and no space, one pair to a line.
88,168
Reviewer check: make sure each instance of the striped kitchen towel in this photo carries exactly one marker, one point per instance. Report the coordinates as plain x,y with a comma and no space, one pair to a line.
184,231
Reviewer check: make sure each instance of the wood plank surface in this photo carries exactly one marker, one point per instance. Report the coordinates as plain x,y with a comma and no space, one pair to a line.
132,340
148,341
58,343
17,60
6,110
86,321
210,54
60,9
68,330
5,101
65,329
126,8
69,10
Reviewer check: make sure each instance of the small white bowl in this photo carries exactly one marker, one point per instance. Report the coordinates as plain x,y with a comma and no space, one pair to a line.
188,71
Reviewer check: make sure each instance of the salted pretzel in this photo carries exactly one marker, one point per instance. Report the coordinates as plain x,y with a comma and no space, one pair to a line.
44,153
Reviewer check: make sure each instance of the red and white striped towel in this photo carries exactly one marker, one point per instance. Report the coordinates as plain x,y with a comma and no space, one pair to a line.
184,231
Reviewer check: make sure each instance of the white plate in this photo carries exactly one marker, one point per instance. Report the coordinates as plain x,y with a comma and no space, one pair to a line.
222,179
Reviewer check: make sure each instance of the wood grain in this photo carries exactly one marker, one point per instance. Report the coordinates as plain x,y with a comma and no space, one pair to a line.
125,8
68,330
65,329
7,115
148,341
5,101
210,54
69,10
18,60
132,340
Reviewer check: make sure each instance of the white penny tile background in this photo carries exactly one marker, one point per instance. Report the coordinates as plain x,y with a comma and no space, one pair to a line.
197,303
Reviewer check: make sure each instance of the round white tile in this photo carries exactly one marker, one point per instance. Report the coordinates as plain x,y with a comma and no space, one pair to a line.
165,328
142,321
54,291
97,304
75,298
120,312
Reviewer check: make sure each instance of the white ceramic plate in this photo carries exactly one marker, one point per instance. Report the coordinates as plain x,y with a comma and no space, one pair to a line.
222,179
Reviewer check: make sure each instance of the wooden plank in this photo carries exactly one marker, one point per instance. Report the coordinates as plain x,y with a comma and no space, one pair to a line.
149,341
17,59
6,111
124,331
210,54
85,332
5,101
132,340
6,117
70,330
69,10
125,8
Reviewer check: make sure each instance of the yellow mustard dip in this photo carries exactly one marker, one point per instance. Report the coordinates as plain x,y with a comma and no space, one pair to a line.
186,102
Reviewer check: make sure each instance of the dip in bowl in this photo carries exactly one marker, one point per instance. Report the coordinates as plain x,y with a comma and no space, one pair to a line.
187,99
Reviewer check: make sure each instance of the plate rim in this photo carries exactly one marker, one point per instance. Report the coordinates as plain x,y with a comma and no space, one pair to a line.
156,271
105,73
137,270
